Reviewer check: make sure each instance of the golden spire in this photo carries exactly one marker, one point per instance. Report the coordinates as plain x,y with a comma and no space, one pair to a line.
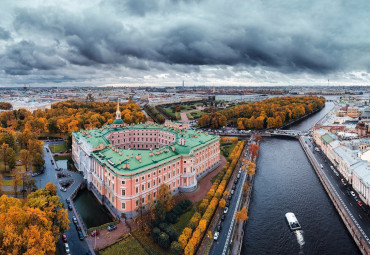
118,105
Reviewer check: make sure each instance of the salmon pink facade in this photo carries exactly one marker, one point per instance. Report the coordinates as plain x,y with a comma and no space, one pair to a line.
124,165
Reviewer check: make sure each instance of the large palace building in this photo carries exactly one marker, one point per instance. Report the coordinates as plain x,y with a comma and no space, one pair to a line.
123,164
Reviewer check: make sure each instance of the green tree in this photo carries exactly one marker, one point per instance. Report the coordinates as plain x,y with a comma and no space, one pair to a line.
10,158
37,162
25,158
164,240
175,248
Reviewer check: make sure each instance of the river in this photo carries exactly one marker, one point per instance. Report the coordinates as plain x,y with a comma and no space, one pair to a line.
286,182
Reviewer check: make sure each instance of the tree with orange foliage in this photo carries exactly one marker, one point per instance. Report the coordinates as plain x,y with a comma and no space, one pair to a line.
253,150
241,215
222,203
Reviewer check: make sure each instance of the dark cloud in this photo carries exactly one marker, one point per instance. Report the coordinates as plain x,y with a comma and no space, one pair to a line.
4,34
291,37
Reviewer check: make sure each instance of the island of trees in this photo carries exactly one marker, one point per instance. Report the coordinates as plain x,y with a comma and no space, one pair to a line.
269,113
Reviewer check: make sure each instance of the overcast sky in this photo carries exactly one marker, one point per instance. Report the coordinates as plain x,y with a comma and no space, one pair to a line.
163,42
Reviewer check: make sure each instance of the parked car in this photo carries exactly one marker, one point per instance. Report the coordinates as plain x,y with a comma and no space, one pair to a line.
356,198
238,176
64,238
215,236
226,210
236,181
230,197
78,228
232,192
360,203
74,219
219,228
343,182
240,171
70,207
80,235
95,233
88,253
223,217
111,227
234,187
353,193
66,248
228,203
68,201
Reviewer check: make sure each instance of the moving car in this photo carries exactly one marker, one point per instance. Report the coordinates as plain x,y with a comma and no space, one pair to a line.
111,227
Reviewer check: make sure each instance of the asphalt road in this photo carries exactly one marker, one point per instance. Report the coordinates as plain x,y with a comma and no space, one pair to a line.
221,246
76,246
357,214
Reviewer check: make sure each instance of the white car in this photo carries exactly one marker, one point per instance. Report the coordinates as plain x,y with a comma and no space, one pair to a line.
353,193
226,210
66,247
215,236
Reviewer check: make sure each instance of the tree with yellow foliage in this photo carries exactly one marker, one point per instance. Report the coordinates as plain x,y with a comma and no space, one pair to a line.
241,215
222,203
32,226
165,197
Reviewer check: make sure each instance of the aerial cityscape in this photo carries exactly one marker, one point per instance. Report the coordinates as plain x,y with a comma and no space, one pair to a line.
184,127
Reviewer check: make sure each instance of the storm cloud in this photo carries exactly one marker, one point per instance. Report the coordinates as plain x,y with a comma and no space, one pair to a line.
165,42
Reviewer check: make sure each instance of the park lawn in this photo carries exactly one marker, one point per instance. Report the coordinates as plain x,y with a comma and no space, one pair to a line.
189,116
178,116
129,245
7,182
183,221
57,148
227,149
66,157
196,114
148,242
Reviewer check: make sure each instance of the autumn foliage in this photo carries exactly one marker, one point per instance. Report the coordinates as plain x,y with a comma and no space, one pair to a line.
269,113
68,116
192,236
32,226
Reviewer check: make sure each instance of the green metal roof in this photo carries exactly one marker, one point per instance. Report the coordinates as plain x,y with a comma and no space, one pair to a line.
327,138
116,159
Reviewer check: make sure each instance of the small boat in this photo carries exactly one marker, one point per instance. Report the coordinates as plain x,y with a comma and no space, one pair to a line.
292,221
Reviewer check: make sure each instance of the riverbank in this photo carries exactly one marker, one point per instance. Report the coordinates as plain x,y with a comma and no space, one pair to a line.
343,212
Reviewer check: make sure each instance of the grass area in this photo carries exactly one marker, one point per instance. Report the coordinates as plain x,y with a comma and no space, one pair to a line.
226,149
196,115
183,221
58,148
63,157
148,242
178,116
129,245
7,182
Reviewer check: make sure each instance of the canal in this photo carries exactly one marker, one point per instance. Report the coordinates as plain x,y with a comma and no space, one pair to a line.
92,212
286,182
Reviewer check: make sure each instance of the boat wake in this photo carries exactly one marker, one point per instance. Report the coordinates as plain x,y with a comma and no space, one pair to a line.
300,240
